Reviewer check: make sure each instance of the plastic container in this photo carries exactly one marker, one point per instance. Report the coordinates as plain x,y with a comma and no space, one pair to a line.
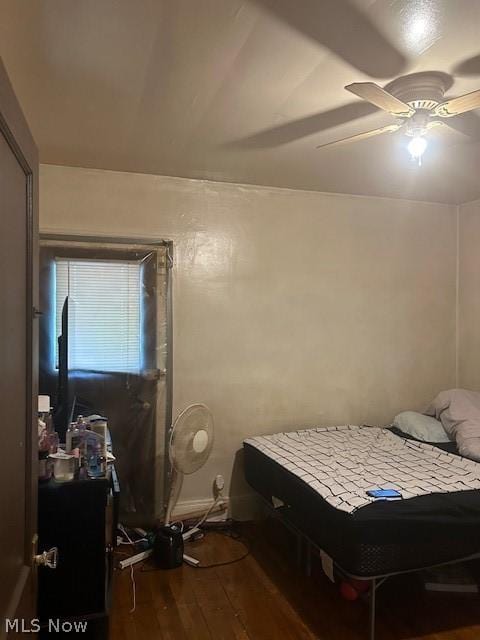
63,466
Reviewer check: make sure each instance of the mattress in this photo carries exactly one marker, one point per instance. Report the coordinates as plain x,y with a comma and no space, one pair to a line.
378,537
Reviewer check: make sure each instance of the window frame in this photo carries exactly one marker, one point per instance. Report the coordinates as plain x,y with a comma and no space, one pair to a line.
141,327
148,313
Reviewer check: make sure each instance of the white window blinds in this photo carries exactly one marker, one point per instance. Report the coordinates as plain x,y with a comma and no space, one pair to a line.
104,315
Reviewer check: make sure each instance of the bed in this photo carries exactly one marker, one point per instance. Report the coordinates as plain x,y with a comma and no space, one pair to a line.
318,479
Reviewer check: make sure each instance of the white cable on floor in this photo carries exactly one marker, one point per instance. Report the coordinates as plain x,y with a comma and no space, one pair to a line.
134,590
132,576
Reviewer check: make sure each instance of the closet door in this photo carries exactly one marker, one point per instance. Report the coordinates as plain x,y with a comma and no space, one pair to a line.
18,365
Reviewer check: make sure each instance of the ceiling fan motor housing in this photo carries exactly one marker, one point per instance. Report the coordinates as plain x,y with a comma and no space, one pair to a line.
421,91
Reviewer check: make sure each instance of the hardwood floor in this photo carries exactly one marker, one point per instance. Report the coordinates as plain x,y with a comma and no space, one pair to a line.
266,597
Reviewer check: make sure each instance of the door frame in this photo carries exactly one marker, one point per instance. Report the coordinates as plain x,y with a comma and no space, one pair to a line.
68,243
15,130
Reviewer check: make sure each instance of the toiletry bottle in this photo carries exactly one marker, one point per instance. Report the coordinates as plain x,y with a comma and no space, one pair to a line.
93,455
44,469
99,425
72,439
82,425
45,440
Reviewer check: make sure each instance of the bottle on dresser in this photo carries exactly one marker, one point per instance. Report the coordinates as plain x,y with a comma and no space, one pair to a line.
47,438
86,442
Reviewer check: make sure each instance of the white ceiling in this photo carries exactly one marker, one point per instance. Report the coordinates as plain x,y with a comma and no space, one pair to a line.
181,87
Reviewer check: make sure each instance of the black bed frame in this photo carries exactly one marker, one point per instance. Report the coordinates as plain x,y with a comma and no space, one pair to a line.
305,546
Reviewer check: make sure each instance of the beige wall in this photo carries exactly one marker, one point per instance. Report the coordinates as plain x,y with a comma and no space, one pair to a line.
469,296
291,308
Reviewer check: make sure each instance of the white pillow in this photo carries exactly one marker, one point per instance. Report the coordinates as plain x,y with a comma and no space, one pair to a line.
422,427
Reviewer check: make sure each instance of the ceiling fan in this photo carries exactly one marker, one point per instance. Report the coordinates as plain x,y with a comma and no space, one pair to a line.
417,100
417,103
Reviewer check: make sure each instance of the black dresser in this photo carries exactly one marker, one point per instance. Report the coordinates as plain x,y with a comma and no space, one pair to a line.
80,519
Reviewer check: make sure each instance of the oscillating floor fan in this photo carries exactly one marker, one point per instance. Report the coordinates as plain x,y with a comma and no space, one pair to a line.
190,445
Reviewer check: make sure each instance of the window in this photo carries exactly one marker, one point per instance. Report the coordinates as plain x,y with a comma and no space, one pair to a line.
104,323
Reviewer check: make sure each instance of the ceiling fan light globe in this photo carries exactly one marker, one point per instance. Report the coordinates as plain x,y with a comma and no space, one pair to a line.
417,146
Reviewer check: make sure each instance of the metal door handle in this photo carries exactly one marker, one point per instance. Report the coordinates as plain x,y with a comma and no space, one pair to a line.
47,558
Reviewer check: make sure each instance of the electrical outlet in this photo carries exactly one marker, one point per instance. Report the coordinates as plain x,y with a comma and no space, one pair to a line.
219,483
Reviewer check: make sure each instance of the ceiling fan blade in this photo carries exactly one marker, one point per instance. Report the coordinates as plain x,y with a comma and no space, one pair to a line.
466,123
371,92
459,105
363,136
297,129
460,135
343,28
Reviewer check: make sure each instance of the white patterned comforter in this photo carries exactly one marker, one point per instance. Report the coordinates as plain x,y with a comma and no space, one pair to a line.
343,463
